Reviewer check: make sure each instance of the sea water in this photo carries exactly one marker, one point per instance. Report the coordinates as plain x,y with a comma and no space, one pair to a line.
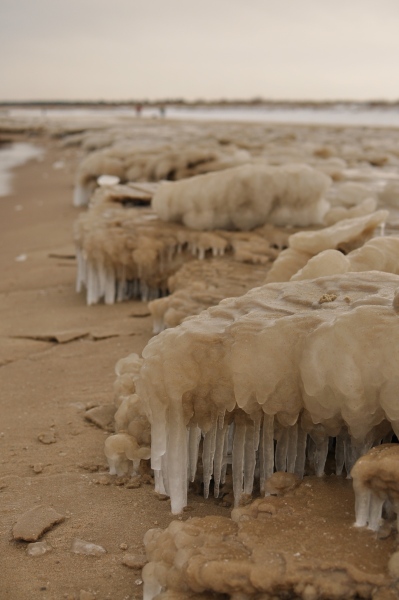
13,155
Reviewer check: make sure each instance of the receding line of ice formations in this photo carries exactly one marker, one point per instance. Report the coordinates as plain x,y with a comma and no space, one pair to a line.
285,361
11,156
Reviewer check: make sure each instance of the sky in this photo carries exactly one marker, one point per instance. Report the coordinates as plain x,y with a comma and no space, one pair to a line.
204,49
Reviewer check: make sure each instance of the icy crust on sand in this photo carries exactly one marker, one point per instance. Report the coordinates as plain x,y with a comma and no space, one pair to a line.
197,285
282,362
253,557
345,235
376,485
246,197
125,251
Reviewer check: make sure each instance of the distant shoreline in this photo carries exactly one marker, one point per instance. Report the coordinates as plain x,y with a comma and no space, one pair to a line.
258,103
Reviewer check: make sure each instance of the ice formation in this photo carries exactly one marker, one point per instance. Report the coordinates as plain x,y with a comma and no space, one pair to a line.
122,449
202,283
133,432
125,251
246,197
376,482
378,254
130,162
258,368
344,235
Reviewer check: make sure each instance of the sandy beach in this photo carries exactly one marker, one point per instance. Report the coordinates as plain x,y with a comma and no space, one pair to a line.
57,359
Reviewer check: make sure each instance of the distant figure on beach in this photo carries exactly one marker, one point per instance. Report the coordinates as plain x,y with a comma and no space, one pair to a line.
139,108
162,111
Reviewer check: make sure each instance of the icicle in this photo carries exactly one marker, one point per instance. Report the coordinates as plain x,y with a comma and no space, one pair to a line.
201,253
165,475
136,467
92,285
177,457
193,442
362,506
158,482
81,271
301,452
249,458
281,450
339,454
267,450
151,587
388,438
226,455
320,456
220,461
208,452
375,512
238,458
292,448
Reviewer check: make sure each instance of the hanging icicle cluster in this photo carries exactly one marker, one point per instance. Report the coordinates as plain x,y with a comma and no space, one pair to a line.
311,358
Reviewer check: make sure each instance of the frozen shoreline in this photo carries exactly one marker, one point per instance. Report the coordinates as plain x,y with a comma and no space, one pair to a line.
335,115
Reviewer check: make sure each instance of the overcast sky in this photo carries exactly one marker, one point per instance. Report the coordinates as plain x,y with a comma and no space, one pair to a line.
124,49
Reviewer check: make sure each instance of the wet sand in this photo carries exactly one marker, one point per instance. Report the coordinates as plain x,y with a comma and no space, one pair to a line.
57,359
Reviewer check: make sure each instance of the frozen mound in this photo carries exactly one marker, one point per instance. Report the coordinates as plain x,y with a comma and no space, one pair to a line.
349,194
125,251
200,284
376,483
283,362
131,162
345,236
273,549
338,213
132,440
389,196
246,197
378,254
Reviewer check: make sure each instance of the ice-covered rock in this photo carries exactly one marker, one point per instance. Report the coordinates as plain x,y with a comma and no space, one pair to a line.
282,362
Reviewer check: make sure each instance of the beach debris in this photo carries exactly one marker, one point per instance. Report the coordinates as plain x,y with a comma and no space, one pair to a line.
280,483
249,556
37,468
102,416
88,548
21,258
134,561
38,548
32,524
47,437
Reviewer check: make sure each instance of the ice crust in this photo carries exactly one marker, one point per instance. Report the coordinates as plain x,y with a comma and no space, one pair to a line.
345,235
245,197
285,361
